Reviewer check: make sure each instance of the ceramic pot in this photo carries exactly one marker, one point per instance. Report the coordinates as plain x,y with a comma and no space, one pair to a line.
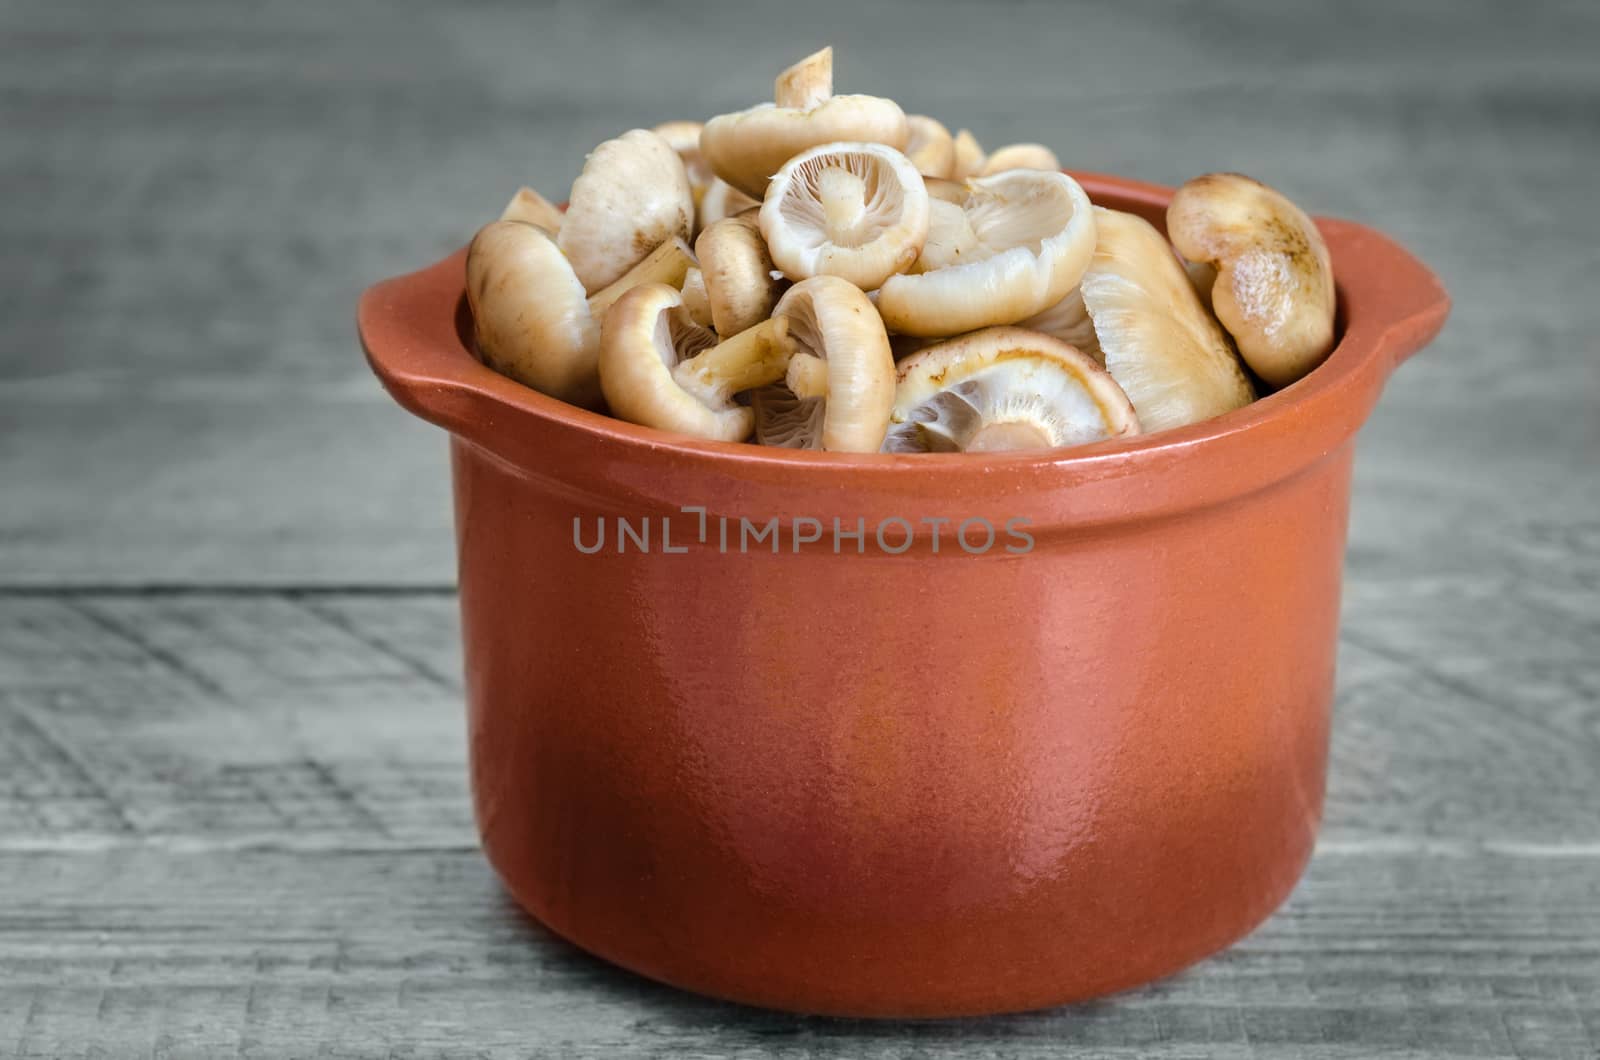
910,776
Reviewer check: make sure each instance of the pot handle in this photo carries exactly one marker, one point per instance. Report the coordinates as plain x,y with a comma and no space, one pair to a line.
1394,287
411,329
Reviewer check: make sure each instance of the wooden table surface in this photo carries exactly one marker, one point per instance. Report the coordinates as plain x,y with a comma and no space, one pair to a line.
233,813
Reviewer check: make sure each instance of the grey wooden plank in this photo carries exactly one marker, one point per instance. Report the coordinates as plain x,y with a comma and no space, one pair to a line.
419,954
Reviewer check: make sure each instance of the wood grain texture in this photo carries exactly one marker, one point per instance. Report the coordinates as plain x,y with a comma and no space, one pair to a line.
269,953
233,808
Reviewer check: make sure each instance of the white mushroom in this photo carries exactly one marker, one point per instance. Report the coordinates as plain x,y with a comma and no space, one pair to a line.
1017,245
737,274
684,138
530,318
930,146
632,196
854,210
532,208
1021,156
748,147
840,381
1274,278
1004,388
1159,342
660,369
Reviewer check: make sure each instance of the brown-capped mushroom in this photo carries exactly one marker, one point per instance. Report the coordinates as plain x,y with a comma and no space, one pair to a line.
660,369
854,210
1274,284
631,197
1021,156
930,146
969,157
737,274
529,314
840,381
1017,245
1004,388
529,207
746,148
1160,344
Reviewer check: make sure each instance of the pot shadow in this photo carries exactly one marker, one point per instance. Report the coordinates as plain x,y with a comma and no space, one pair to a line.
667,1012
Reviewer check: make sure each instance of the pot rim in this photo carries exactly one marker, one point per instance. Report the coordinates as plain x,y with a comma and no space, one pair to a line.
1391,305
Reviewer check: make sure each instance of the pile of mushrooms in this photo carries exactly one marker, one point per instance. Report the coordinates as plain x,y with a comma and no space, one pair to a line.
827,272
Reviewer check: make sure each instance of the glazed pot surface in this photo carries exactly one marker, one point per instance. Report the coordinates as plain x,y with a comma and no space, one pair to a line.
901,781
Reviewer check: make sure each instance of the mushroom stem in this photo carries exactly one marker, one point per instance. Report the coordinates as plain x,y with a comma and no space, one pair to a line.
667,264
806,83
807,376
529,207
843,196
1002,437
696,300
754,357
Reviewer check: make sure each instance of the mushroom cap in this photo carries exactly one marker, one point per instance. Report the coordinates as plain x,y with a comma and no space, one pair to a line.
854,210
1004,388
684,138
1160,344
646,335
969,156
1020,156
723,200
530,316
1274,288
930,146
631,197
1020,243
737,273
746,148
532,208
833,327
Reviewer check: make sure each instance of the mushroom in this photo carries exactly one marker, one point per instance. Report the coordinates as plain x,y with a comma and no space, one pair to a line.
1274,285
684,138
946,190
969,157
669,264
736,273
695,299
661,369
529,315
723,200
1159,342
632,196
747,147
840,381
1004,388
856,210
1068,320
1021,156
1019,245
929,146
532,208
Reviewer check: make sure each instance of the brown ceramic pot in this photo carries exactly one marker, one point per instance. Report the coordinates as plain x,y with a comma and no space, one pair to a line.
902,783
